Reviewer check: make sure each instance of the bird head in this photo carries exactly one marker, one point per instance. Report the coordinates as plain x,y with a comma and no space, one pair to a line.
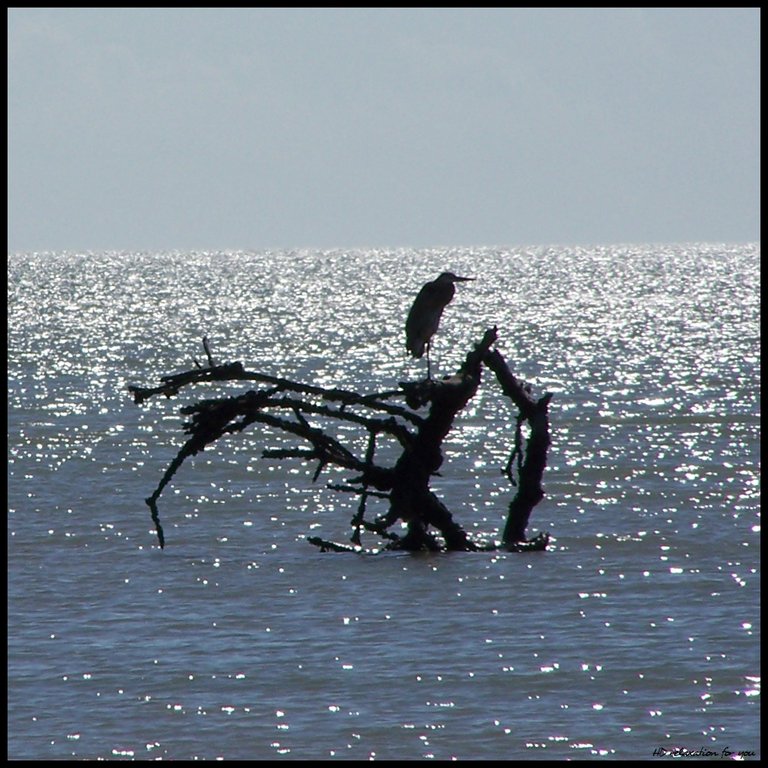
449,277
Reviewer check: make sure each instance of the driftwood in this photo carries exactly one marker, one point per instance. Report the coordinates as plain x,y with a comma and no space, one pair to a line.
292,407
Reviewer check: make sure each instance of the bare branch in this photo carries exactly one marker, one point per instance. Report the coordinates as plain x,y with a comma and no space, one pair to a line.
288,406
529,491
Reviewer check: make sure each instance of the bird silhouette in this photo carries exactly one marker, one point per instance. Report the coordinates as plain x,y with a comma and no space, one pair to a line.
424,317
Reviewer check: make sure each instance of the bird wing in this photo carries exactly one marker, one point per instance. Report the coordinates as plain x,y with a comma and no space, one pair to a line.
424,317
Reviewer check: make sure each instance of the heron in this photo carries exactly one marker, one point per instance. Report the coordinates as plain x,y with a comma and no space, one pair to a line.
426,311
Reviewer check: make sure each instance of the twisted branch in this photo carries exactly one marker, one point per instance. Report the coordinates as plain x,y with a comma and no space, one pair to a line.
285,406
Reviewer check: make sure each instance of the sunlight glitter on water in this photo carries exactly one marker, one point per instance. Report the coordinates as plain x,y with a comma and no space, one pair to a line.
647,603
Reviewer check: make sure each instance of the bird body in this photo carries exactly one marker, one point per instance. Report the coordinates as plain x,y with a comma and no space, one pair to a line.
424,317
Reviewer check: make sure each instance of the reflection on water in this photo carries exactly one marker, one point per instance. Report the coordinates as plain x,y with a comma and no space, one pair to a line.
638,631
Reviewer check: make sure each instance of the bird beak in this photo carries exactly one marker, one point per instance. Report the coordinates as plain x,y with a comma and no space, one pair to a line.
464,279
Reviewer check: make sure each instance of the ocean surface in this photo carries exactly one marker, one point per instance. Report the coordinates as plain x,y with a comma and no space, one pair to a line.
637,633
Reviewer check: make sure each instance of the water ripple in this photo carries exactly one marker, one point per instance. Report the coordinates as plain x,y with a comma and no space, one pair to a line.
638,631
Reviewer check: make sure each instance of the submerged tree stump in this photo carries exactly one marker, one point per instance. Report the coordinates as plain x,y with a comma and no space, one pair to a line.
288,406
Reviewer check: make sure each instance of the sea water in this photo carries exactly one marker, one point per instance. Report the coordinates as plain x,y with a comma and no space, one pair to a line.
634,635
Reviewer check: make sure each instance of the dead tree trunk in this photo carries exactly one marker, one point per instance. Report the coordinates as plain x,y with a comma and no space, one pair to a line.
287,406
410,497
531,468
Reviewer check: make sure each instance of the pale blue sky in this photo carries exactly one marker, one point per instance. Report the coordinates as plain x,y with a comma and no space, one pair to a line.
264,128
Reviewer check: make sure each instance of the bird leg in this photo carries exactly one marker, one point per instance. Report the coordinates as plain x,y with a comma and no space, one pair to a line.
429,369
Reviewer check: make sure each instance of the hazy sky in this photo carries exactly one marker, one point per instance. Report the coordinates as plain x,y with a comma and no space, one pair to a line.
248,128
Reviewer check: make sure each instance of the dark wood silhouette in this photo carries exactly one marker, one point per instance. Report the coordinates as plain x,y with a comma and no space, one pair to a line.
299,409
